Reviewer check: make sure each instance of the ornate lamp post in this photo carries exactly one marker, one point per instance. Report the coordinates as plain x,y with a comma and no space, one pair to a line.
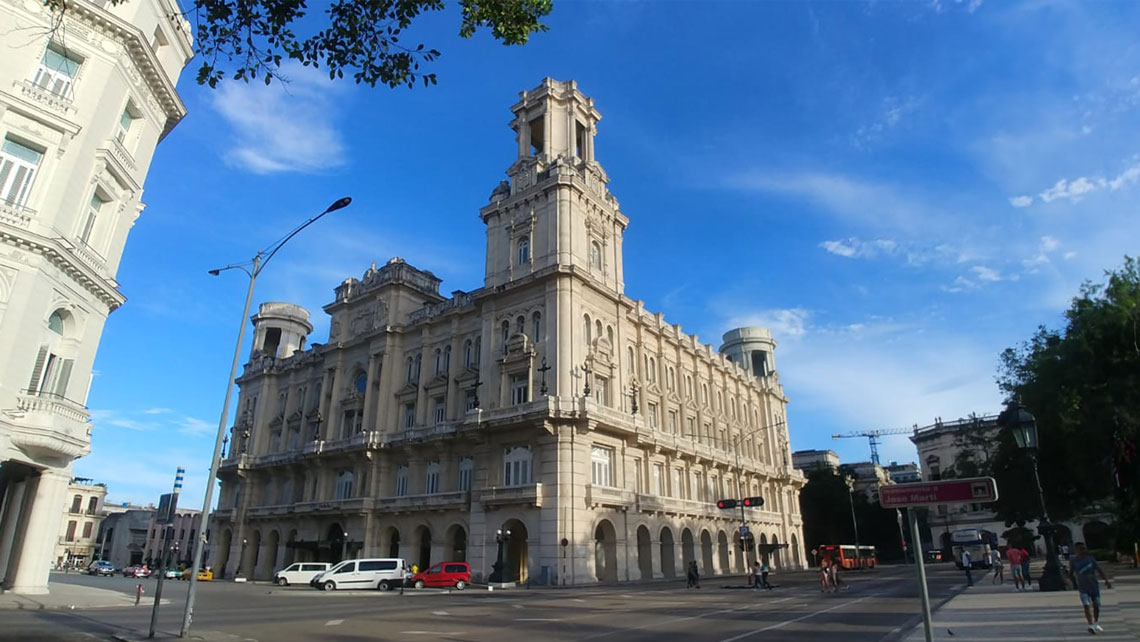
241,559
542,391
1018,421
500,571
633,397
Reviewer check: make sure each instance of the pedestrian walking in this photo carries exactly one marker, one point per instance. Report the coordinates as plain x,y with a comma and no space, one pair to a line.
764,570
1013,554
966,563
1083,570
1025,569
999,569
836,581
825,575
694,576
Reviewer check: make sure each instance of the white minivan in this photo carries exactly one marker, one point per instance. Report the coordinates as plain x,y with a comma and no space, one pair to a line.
381,573
299,573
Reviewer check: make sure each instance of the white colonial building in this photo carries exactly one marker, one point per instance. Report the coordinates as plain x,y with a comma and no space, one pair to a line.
83,516
546,404
84,99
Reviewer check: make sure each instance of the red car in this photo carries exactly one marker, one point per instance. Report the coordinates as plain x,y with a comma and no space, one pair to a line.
444,574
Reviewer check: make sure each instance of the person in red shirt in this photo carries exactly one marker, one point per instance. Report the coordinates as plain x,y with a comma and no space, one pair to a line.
1014,557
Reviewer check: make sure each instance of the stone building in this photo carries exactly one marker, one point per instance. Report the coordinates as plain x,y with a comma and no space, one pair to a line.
83,514
185,529
82,107
546,412
123,536
809,460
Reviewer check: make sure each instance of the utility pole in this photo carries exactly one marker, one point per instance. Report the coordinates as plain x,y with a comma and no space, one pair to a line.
165,518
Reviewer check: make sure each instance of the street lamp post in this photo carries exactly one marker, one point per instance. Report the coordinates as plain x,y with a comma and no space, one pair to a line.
854,523
1018,421
260,260
499,570
241,559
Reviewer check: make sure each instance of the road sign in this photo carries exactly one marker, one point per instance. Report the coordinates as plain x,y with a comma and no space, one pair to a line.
167,505
976,490
745,532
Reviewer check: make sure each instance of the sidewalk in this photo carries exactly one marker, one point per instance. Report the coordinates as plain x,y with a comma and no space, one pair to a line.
72,596
999,613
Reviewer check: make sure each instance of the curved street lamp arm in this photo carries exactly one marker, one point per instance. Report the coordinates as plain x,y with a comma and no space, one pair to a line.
270,251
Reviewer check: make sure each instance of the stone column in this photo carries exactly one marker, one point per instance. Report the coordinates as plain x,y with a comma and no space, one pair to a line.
11,509
29,565
370,390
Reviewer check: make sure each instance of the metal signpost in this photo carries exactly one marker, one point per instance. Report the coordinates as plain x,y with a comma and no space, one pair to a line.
977,490
167,505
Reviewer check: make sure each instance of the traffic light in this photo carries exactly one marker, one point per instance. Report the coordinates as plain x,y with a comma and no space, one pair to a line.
726,503
753,502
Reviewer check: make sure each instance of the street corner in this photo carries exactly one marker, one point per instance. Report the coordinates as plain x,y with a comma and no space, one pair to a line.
204,636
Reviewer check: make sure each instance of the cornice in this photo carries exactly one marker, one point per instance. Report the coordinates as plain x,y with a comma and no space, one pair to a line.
103,288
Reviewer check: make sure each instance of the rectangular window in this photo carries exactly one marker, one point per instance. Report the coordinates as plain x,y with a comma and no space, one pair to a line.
672,425
638,484
409,415
679,483
469,401
516,467
402,481
651,413
691,427
466,467
92,504
431,483
71,530
18,165
57,71
601,460
92,216
440,409
659,479
600,385
519,389
126,120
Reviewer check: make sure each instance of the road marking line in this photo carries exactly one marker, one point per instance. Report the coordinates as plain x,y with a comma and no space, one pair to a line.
334,622
439,612
794,620
538,619
517,606
577,600
436,633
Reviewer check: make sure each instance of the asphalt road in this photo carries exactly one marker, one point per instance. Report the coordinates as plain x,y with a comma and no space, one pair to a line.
878,606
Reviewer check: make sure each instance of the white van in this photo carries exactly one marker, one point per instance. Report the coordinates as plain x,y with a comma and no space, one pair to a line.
381,573
299,573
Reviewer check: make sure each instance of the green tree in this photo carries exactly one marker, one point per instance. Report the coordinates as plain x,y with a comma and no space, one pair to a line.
1082,384
825,503
360,37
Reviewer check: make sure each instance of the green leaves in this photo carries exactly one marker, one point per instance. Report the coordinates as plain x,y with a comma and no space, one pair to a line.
247,39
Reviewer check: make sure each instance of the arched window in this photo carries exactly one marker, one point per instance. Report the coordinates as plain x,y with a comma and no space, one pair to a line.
411,370
55,323
689,386
610,336
595,255
506,334
536,318
468,354
524,251
651,374
402,480
343,485
520,324
76,503
361,382
671,380
431,480
438,361
419,362
630,360
586,329
705,393
447,360
516,466
478,350
598,329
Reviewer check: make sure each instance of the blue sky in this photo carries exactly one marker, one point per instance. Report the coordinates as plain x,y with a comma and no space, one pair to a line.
898,190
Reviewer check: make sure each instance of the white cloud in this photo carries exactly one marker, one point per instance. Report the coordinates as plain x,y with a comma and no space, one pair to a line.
854,248
196,427
960,284
1045,247
783,323
984,273
284,126
1021,201
157,411
1078,187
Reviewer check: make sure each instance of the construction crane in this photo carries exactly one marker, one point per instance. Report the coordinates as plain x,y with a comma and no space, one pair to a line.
873,437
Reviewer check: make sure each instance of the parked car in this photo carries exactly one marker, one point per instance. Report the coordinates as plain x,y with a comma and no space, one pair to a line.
444,574
172,574
136,571
205,575
299,573
101,567
382,573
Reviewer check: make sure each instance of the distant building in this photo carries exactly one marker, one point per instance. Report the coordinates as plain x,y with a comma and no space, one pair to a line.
82,515
87,94
186,525
809,460
122,540
904,473
866,477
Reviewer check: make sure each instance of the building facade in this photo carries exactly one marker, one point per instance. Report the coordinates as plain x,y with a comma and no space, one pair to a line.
809,460
123,536
82,106
180,547
904,473
545,414
77,544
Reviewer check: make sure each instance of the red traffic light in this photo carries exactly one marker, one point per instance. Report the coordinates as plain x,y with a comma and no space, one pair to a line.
753,502
726,503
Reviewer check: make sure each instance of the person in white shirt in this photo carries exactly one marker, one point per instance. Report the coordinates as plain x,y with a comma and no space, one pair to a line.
999,569
966,565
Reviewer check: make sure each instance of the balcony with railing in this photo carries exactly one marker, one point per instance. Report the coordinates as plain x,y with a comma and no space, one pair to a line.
16,215
50,424
529,495
457,500
609,496
332,505
60,104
